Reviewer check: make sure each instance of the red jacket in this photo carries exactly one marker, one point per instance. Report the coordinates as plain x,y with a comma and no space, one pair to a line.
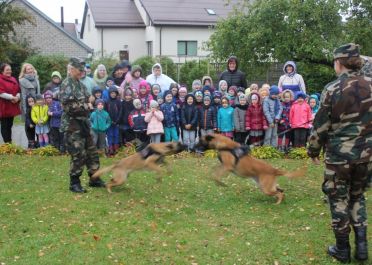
255,118
9,85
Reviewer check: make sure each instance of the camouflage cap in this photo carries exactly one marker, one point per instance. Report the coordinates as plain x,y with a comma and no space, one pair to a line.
346,51
77,63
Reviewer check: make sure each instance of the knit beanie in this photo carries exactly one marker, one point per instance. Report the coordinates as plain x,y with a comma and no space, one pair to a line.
196,82
110,78
254,97
242,96
154,104
38,97
300,95
206,98
99,101
48,94
274,90
217,94
137,103
155,86
166,93
160,95
198,94
56,74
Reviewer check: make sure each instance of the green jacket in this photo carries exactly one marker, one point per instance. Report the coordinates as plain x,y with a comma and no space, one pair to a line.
100,120
343,123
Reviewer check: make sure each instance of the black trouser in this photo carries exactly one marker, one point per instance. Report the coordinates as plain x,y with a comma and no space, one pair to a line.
299,137
240,137
56,138
6,129
30,133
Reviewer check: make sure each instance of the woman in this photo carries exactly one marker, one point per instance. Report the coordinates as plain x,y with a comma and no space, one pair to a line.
100,76
29,83
291,79
9,101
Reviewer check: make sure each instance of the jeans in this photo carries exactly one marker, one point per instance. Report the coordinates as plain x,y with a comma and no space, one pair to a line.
271,136
155,137
189,139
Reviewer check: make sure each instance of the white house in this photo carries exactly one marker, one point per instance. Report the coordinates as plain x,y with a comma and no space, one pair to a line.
130,29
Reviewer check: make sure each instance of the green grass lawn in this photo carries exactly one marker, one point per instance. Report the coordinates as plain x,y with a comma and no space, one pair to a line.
186,219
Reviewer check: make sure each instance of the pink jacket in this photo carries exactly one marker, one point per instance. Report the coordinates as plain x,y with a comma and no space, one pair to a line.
300,115
154,121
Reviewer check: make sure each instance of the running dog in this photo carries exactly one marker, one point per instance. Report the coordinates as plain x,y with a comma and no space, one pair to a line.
235,158
149,158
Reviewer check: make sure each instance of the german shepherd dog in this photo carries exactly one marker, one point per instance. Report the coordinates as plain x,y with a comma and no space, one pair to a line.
149,158
235,158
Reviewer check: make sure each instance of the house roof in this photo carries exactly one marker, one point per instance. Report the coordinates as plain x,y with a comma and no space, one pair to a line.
70,28
189,13
115,13
49,20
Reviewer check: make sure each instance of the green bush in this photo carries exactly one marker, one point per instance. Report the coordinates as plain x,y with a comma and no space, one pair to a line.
192,70
146,63
298,153
266,152
107,60
46,64
48,150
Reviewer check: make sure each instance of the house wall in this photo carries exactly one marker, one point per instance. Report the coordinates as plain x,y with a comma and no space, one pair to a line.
46,37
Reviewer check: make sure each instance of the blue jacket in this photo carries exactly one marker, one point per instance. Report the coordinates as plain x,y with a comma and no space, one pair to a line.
272,109
171,114
100,120
225,119
56,109
137,120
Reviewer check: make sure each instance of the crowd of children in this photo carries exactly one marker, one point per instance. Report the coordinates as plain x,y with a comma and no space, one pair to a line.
139,111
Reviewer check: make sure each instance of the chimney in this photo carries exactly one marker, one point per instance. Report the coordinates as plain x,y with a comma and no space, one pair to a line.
62,18
76,21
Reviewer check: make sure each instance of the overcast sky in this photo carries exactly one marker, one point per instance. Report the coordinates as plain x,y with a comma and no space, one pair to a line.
52,8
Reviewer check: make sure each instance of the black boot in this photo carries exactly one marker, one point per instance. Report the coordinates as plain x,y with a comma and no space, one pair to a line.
341,251
75,185
361,246
96,183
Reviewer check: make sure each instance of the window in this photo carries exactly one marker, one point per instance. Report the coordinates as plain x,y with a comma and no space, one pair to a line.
187,48
210,12
149,48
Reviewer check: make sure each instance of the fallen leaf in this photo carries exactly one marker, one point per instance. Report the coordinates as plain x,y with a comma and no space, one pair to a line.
96,238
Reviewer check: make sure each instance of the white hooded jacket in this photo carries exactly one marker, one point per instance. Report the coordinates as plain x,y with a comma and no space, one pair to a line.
162,80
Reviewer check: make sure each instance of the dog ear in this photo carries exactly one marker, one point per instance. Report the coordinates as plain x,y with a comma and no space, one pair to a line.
209,138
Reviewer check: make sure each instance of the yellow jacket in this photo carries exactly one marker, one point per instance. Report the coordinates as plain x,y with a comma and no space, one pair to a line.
39,114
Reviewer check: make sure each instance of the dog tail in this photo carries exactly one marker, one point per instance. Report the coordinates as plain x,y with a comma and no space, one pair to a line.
102,171
294,174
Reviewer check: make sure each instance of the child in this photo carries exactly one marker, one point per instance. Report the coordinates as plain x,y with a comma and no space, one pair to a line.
217,95
97,93
126,107
239,120
113,108
199,99
255,121
105,92
135,80
207,117
137,123
300,117
55,113
100,121
39,115
264,91
284,125
196,85
207,81
223,87
189,118
182,92
225,118
314,105
29,124
174,89
272,109
154,118
231,95
171,118
144,94
160,99
155,90
251,88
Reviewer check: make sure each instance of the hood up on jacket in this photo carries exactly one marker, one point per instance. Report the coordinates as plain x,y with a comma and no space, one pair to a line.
293,64
157,64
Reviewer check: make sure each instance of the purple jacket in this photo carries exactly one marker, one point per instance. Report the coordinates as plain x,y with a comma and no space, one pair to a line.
56,109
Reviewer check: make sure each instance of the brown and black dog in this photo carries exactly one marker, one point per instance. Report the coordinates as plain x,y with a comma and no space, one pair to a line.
149,158
235,158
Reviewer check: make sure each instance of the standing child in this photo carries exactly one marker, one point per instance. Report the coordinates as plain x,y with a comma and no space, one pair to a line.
222,86
264,91
239,120
113,108
225,119
55,113
126,107
135,80
314,105
144,94
199,99
285,135
100,121
29,124
231,96
171,119
106,90
155,91
272,109
196,85
207,116
137,123
189,118
154,118
39,115
255,121
96,93
217,95
300,117
182,92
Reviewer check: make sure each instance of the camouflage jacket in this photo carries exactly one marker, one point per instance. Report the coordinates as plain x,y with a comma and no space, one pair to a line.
74,98
343,124
367,67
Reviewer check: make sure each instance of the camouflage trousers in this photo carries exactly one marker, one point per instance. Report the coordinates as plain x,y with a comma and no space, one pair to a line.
345,185
83,153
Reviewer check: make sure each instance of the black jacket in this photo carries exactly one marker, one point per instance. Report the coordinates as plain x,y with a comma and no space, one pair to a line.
189,115
234,78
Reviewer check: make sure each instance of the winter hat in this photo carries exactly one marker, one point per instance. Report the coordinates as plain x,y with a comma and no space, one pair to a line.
56,74
300,95
160,95
242,96
136,68
198,94
155,86
110,79
196,82
240,89
232,88
96,89
137,103
48,94
182,89
113,88
207,88
206,98
154,104
166,93
274,90
128,91
217,94
87,65
254,96
99,101
38,97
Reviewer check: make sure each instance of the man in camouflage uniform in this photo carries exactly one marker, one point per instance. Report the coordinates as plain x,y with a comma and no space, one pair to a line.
76,126
343,125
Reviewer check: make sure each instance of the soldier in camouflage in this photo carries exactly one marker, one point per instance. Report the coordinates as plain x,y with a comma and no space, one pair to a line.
343,125
76,126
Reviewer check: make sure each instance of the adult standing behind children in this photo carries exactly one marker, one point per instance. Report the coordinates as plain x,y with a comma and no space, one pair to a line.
291,79
10,95
343,125
54,84
29,83
232,75
157,77
75,123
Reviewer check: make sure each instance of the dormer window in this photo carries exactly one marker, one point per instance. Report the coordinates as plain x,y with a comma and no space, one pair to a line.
210,12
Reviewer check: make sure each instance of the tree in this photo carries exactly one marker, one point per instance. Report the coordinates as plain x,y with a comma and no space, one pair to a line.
10,16
267,31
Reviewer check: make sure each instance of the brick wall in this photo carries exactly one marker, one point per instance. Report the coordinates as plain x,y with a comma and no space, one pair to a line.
46,37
